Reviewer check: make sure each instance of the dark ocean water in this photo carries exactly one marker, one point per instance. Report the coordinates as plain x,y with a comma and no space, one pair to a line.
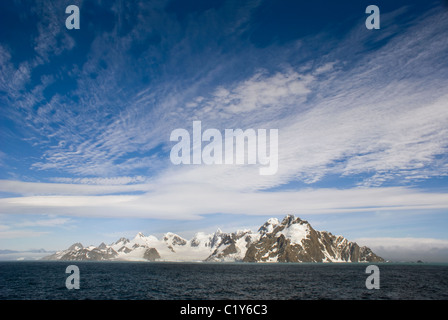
204,281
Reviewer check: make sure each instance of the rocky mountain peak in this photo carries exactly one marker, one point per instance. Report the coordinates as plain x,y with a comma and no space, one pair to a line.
292,219
122,241
174,239
102,246
269,226
200,239
76,246
217,238
139,235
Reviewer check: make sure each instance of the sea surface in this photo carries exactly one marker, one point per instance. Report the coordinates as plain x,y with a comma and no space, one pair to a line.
213,281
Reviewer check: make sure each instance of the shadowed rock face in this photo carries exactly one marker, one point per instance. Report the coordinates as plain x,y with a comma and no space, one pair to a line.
228,245
151,254
124,249
95,254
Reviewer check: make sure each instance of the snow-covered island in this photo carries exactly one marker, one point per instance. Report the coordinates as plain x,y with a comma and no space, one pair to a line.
289,240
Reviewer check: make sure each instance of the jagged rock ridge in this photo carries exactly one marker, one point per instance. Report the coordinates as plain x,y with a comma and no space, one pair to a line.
291,240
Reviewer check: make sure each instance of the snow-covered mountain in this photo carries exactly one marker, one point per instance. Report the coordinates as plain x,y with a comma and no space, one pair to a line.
289,240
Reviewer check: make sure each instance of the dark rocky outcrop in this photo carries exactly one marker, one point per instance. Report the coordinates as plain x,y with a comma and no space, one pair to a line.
314,246
151,254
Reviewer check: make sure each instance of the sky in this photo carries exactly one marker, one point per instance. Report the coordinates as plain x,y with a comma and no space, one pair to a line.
362,117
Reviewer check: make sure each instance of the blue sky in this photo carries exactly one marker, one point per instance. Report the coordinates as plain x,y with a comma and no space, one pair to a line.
86,117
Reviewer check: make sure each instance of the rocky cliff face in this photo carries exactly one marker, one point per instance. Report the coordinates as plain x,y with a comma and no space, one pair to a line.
291,240
294,240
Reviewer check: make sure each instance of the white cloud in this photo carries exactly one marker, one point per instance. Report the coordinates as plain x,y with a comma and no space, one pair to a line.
189,201
361,118
408,249
100,181
49,222
52,38
85,188
329,66
408,243
358,118
9,233
260,92
12,78
392,136
30,228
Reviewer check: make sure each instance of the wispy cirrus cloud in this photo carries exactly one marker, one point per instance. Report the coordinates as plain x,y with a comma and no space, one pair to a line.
341,114
261,93
85,186
52,38
48,222
32,228
101,181
189,201
15,233
347,119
